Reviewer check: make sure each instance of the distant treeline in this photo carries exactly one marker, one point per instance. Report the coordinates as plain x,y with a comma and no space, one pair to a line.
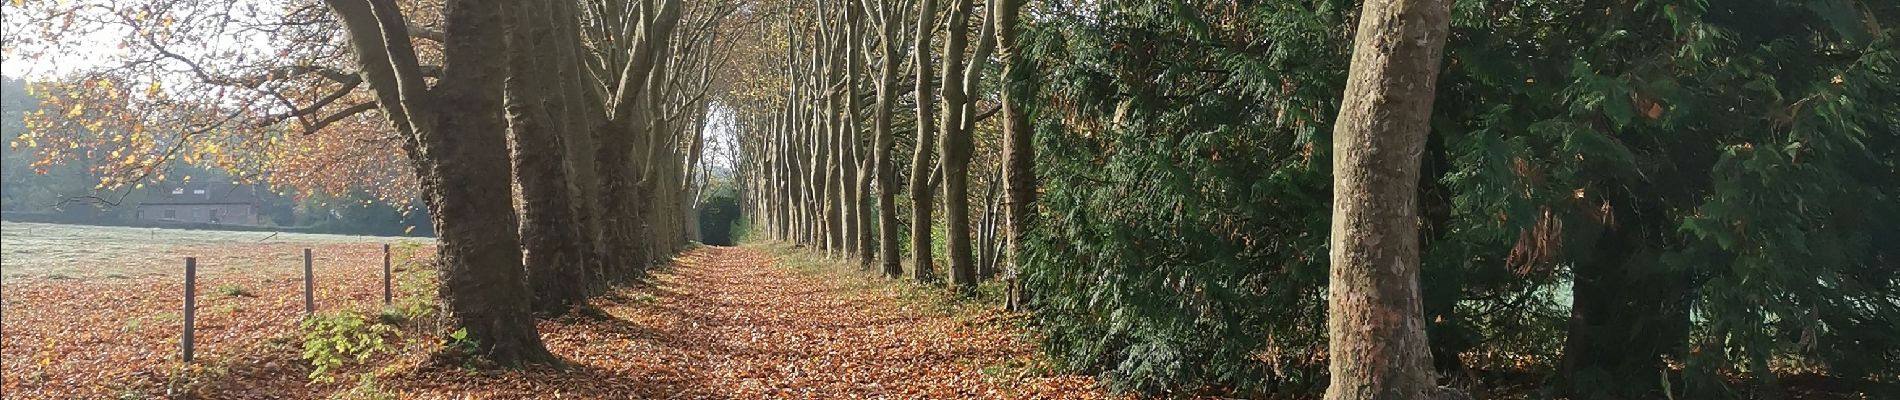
56,193
327,227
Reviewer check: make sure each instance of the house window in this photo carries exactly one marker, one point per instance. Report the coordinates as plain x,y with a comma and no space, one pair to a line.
178,191
214,216
171,214
197,191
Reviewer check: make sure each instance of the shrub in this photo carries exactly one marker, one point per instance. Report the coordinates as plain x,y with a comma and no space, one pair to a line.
334,339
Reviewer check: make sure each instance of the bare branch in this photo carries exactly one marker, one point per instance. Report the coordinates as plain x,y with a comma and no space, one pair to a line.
338,116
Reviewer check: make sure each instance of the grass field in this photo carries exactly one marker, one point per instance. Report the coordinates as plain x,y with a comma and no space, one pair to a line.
55,251
96,312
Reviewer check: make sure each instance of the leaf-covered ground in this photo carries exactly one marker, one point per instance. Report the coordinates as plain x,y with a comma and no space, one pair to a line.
108,336
721,323
728,323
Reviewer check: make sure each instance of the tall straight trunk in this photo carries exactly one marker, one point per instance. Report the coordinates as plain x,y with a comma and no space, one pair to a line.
784,178
830,142
860,180
886,141
482,283
1019,151
956,138
920,163
766,207
818,143
622,201
577,123
550,236
1377,344
835,191
690,190
651,160
805,178
821,180
987,236
461,158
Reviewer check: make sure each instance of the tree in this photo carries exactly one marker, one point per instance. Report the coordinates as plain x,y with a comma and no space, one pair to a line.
888,18
551,238
859,193
960,80
1019,151
463,174
920,162
624,131
1377,344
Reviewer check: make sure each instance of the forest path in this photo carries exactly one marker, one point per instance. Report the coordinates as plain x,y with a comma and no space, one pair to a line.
732,323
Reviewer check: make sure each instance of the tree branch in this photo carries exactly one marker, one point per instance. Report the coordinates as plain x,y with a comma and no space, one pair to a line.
338,116
423,32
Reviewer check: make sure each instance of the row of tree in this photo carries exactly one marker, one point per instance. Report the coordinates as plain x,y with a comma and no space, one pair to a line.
821,155
553,143
1616,199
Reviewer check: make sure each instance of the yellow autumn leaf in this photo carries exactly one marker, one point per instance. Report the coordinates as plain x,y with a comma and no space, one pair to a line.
152,91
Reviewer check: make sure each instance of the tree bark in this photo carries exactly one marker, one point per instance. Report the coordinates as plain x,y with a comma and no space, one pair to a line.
920,165
1377,340
582,115
959,81
624,200
885,143
1019,151
551,241
463,174
861,179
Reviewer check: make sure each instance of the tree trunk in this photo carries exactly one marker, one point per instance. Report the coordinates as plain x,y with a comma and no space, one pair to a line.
624,199
832,141
577,129
1377,340
1019,151
482,282
464,174
621,201
861,185
920,165
549,235
886,141
986,236
959,81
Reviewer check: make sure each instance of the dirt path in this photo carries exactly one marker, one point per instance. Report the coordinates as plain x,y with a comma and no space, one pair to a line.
726,323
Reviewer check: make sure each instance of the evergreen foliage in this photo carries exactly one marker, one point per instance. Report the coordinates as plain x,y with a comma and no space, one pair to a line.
1614,192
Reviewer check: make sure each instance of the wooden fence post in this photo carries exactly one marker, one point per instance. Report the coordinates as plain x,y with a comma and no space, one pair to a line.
386,287
191,305
309,286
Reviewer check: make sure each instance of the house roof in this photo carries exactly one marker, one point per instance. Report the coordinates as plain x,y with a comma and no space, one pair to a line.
202,193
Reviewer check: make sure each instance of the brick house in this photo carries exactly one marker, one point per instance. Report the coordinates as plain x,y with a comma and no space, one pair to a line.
201,202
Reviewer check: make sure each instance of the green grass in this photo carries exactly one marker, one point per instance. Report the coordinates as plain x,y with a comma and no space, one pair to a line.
56,251
234,290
